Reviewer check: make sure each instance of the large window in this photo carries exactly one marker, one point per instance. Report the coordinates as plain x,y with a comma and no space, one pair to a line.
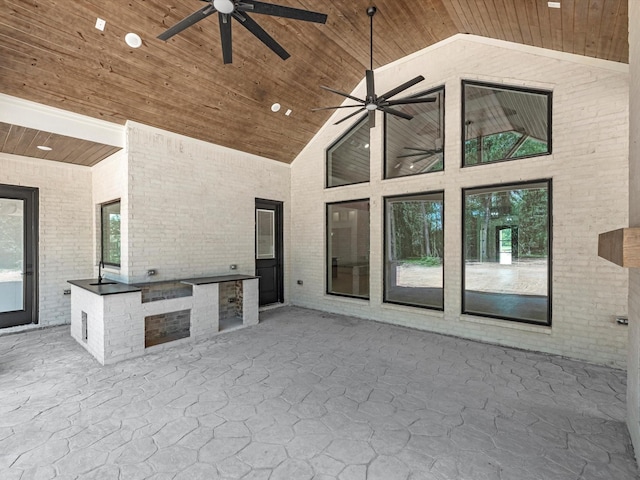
504,123
348,248
507,252
414,245
417,145
110,226
348,157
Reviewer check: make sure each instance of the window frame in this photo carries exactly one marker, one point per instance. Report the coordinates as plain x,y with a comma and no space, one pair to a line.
102,242
513,88
385,246
351,129
512,186
424,93
327,248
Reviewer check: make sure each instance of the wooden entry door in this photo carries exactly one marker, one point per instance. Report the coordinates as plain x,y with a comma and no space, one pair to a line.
269,254
18,255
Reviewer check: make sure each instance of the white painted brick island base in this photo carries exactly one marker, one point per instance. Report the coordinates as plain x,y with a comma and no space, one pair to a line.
116,321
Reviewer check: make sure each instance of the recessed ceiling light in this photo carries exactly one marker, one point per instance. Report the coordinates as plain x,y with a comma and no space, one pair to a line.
44,147
553,4
133,40
275,107
366,145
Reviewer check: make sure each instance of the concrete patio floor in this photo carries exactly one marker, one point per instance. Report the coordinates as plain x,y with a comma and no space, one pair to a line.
309,395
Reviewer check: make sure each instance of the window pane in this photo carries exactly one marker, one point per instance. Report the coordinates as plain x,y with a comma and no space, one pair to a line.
506,252
110,213
504,123
265,233
348,248
415,249
12,254
415,146
348,158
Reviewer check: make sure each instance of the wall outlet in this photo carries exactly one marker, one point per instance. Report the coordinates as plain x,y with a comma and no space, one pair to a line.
299,282
66,291
232,300
151,272
233,266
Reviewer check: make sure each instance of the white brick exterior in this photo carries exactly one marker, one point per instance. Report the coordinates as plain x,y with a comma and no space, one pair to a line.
191,205
589,172
110,182
633,381
65,227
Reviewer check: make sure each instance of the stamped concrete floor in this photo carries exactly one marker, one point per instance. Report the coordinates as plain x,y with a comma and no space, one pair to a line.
309,395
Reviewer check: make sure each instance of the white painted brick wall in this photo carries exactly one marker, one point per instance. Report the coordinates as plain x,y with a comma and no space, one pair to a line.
65,243
633,372
110,182
191,205
590,195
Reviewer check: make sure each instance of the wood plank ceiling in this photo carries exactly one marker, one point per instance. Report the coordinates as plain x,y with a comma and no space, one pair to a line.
51,53
25,141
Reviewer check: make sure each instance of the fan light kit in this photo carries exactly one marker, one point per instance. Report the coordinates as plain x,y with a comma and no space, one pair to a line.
224,6
239,10
373,102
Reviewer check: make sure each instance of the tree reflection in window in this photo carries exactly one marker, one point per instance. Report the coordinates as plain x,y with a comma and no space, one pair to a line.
504,123
507,251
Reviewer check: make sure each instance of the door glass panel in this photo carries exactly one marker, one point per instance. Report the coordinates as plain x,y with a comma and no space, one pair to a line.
265,233
11,255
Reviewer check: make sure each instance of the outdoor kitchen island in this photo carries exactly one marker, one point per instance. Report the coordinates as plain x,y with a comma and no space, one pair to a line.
115,321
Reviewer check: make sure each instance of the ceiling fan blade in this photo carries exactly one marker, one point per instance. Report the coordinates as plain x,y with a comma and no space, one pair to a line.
371,88
186,22
280,11
225,36
436,150
397,113
350,115
342,93
261,34
427,153
331,108
372,118
406,101
402,87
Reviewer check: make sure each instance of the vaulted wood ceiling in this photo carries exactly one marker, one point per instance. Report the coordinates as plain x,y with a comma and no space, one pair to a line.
51,53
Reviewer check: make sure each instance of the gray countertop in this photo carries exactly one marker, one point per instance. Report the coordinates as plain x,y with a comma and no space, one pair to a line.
108,287
217,279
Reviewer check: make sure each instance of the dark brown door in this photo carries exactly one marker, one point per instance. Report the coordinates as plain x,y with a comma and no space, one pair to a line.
269,265
18,255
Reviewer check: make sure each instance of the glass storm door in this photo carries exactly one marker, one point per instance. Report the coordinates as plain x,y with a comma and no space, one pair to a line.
269,251
18,255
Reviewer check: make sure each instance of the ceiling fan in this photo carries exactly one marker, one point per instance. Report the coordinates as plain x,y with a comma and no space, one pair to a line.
228,9
373,102
417,155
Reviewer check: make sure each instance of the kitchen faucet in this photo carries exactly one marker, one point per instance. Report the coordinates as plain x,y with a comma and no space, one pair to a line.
100,267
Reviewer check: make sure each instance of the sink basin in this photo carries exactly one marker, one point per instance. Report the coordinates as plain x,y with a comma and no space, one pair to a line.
102,283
